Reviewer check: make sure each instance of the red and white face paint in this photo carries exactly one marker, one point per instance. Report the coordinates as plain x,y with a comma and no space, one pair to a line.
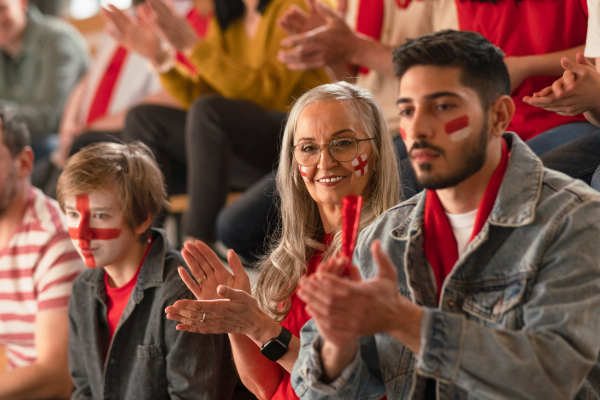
459,128
303,171
97,228
402,133
360,164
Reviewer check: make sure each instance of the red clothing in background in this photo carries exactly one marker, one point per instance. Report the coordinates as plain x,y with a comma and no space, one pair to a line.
529,27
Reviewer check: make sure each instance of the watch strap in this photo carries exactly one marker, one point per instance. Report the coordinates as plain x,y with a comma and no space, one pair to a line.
275,348
284,337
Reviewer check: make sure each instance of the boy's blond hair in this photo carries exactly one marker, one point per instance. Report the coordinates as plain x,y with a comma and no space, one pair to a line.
129,171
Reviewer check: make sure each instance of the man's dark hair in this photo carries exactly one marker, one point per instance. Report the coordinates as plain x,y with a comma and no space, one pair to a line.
481,63
15,133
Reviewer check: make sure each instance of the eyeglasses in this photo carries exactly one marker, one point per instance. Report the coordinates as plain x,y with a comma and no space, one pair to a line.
308,154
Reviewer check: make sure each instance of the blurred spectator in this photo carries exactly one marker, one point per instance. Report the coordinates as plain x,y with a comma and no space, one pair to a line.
42,59
577,91
38,265
237,98
117,80
534,35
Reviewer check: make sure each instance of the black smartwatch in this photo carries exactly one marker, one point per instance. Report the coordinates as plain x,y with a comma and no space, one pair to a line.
277,347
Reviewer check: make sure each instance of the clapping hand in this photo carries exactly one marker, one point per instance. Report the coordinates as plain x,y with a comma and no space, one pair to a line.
135,34
224,303
329,41
208,271
575,92
296,20
346,307
171,26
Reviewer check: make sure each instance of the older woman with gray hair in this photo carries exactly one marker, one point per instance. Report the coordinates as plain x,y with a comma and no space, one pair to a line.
336,143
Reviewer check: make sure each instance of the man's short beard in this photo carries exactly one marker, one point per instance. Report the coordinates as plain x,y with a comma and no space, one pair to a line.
9,191
474,158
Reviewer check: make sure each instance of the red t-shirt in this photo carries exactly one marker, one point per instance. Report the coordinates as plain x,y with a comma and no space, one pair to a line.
294,321
529,27
118,297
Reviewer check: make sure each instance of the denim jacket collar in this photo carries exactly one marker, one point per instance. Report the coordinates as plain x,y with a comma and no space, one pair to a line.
149,277
515,205
521,187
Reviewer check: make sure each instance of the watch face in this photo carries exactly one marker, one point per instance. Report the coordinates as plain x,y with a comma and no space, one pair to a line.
273,349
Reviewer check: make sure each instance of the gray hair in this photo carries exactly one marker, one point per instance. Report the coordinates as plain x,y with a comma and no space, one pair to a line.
301,228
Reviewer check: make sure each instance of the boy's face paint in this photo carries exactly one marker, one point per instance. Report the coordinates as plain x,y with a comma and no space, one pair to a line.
97,228
361,165
459,128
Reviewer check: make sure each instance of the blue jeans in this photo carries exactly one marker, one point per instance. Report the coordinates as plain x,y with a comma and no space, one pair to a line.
245,224
560,135
578,159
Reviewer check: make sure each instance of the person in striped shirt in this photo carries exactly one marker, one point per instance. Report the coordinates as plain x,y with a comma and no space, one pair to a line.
38,265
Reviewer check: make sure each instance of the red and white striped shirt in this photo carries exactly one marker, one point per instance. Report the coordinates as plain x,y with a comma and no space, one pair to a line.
37,269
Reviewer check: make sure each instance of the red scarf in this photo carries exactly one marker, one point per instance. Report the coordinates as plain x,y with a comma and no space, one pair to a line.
440,245
107,84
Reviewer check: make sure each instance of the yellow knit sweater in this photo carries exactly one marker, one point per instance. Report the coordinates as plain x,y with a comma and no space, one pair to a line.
236,66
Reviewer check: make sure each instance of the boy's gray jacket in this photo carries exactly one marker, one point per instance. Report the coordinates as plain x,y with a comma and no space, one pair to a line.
148,358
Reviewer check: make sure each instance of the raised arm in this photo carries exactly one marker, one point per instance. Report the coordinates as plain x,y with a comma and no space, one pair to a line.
345,309
576,92
69,126
523,67
332,44
270,84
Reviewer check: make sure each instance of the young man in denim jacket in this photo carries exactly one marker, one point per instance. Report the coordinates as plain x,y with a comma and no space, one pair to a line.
487,284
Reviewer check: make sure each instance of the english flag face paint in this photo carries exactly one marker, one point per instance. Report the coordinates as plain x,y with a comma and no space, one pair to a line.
303,172
360,164
459,128
97,228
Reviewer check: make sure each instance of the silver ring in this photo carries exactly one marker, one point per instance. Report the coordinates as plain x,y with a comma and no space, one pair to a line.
203,317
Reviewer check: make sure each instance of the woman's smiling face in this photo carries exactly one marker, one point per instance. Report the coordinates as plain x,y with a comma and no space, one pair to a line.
329,181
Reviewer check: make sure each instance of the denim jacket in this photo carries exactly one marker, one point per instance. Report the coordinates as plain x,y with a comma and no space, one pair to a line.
518,316
147,358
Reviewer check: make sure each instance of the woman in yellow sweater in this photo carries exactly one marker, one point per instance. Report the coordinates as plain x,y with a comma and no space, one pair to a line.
236,100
